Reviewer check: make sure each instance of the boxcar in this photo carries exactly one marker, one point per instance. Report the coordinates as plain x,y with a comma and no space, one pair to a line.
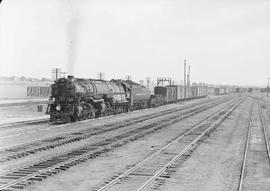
189,92
180,92
222,91
168,92
217,91
38,91
211,90
194,91
202,91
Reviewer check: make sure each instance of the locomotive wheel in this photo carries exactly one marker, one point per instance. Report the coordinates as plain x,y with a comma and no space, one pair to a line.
125,108
73,119
68,119
91,114
75,116
51,118
98,114
108,110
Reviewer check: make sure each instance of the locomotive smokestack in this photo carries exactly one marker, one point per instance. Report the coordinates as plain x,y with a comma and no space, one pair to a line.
70,77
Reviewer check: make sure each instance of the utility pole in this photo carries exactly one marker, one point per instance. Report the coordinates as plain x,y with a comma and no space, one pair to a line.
188,76
56,73
101,76
188,80
267,88
38,90
148,82
128,77
64,74
185,82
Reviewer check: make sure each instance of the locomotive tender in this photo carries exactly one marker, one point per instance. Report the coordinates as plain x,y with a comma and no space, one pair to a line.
74,99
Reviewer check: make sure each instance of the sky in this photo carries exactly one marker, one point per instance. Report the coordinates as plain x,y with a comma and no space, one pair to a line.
224,41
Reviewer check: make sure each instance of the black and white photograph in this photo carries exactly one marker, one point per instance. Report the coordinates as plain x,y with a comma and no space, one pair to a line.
135,95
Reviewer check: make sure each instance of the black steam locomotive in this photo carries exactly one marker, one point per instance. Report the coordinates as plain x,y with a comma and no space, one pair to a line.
74,99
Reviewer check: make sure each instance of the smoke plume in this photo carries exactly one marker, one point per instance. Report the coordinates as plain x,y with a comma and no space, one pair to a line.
72,35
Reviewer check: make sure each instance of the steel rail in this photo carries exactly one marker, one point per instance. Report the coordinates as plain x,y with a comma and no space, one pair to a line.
55,155
264,132
125,174
240,187
45,144
243,166
22,123
163,112
36,121
39,168
222,118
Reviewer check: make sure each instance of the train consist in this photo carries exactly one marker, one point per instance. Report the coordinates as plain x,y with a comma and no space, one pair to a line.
74,99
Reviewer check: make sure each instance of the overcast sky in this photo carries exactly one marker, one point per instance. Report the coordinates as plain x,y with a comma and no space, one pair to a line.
224,41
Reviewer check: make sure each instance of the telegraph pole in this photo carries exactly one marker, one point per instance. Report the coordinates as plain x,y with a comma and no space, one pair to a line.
148,82
185,83
188,75
56,73
64,74
101,76
188,80
267,88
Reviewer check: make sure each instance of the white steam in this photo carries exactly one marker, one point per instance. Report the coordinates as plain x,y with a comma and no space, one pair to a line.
72,35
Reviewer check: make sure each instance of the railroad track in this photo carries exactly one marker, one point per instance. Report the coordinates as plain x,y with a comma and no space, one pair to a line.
32,122
263,136
154,169
38,170
23,150
23,104
24,123
16,126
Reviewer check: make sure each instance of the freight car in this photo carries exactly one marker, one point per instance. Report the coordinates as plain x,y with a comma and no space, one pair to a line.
203,91
217,91
222,91
198,91
210,90
180,92
167,92
189,93
174,93
38,91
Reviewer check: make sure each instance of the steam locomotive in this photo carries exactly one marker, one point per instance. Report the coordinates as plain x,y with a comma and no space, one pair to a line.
74,99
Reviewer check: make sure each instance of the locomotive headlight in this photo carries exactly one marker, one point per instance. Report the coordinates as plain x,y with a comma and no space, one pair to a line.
58,108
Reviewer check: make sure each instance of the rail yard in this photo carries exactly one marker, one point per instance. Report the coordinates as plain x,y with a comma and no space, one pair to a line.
219,142
137,95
